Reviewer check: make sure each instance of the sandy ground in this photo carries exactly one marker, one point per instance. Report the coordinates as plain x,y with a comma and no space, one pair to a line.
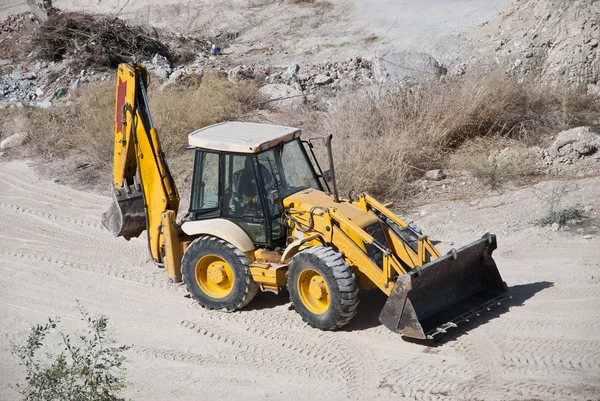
544,344
273,32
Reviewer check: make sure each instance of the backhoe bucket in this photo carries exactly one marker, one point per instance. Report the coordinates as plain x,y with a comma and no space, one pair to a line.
126,216
451,289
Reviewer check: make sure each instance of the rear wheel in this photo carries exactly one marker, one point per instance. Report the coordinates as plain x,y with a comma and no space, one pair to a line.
322,288
217,274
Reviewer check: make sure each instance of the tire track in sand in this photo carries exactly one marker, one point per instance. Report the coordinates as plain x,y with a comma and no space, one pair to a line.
302,349
105,268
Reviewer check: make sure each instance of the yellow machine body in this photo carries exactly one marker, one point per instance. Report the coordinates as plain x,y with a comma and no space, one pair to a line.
427,292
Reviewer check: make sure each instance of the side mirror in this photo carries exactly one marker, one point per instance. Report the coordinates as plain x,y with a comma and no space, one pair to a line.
273,197
327,175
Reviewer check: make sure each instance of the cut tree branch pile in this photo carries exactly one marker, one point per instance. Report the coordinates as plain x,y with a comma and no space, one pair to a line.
94,41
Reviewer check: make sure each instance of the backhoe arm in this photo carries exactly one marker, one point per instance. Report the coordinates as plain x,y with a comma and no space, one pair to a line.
142,187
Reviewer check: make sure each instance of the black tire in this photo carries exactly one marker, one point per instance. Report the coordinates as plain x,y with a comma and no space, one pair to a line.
243,286
341,283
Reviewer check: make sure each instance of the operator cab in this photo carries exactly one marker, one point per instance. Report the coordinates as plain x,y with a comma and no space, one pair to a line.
242,173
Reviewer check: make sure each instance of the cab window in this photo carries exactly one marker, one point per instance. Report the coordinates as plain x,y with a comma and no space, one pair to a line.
242,200
205,184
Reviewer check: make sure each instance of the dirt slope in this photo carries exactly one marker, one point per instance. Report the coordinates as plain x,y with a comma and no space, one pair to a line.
547,346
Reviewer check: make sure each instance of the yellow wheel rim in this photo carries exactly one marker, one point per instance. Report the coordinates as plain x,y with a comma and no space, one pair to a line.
313,291
214,276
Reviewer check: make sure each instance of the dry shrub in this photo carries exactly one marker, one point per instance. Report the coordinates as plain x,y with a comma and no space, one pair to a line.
94,41
179,111
389,136
84,130
495,161
494,171
85,126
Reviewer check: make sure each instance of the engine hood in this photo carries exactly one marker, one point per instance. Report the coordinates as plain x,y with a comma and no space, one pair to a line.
309,198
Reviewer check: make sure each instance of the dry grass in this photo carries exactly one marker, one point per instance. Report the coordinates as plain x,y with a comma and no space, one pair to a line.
384,138
86,127
494,161
390,136
179,111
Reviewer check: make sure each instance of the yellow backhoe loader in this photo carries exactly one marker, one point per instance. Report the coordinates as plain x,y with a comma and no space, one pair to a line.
264,216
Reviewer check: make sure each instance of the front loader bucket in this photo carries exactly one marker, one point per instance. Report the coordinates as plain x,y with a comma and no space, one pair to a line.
126,216
444,292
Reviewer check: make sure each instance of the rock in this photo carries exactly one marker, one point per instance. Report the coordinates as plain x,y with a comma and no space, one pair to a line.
291,71
282,97
434,175
13,140
26,76
160,61
555,226
588,236
161,66
76,83
397,67
175,75
44,105
162,73
322,79
423,213
39,92
580,140
594,90
240,73
474,202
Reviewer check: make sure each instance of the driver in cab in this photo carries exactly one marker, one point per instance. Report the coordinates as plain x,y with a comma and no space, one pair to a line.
246,202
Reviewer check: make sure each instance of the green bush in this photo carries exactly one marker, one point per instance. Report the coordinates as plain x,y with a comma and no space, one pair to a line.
561,216
90,366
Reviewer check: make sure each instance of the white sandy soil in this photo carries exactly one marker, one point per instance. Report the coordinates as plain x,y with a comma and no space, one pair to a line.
544,344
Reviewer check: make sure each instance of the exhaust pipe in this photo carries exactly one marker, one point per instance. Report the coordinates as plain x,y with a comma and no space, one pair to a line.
336,196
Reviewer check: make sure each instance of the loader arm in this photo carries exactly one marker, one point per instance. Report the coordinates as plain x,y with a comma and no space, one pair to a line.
143,188
427,292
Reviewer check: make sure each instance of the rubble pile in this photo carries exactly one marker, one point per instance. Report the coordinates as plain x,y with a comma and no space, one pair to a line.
331,74
575,151
41,83
288,88
42,59
555,42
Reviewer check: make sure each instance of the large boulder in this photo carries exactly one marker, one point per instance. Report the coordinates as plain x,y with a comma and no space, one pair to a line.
579,141
402,67
282,97
13,141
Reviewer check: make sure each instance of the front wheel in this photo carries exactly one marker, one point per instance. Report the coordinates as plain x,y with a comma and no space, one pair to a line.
217,274
322,288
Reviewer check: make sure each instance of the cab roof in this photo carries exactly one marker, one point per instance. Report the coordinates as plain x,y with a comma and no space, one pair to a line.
241,137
